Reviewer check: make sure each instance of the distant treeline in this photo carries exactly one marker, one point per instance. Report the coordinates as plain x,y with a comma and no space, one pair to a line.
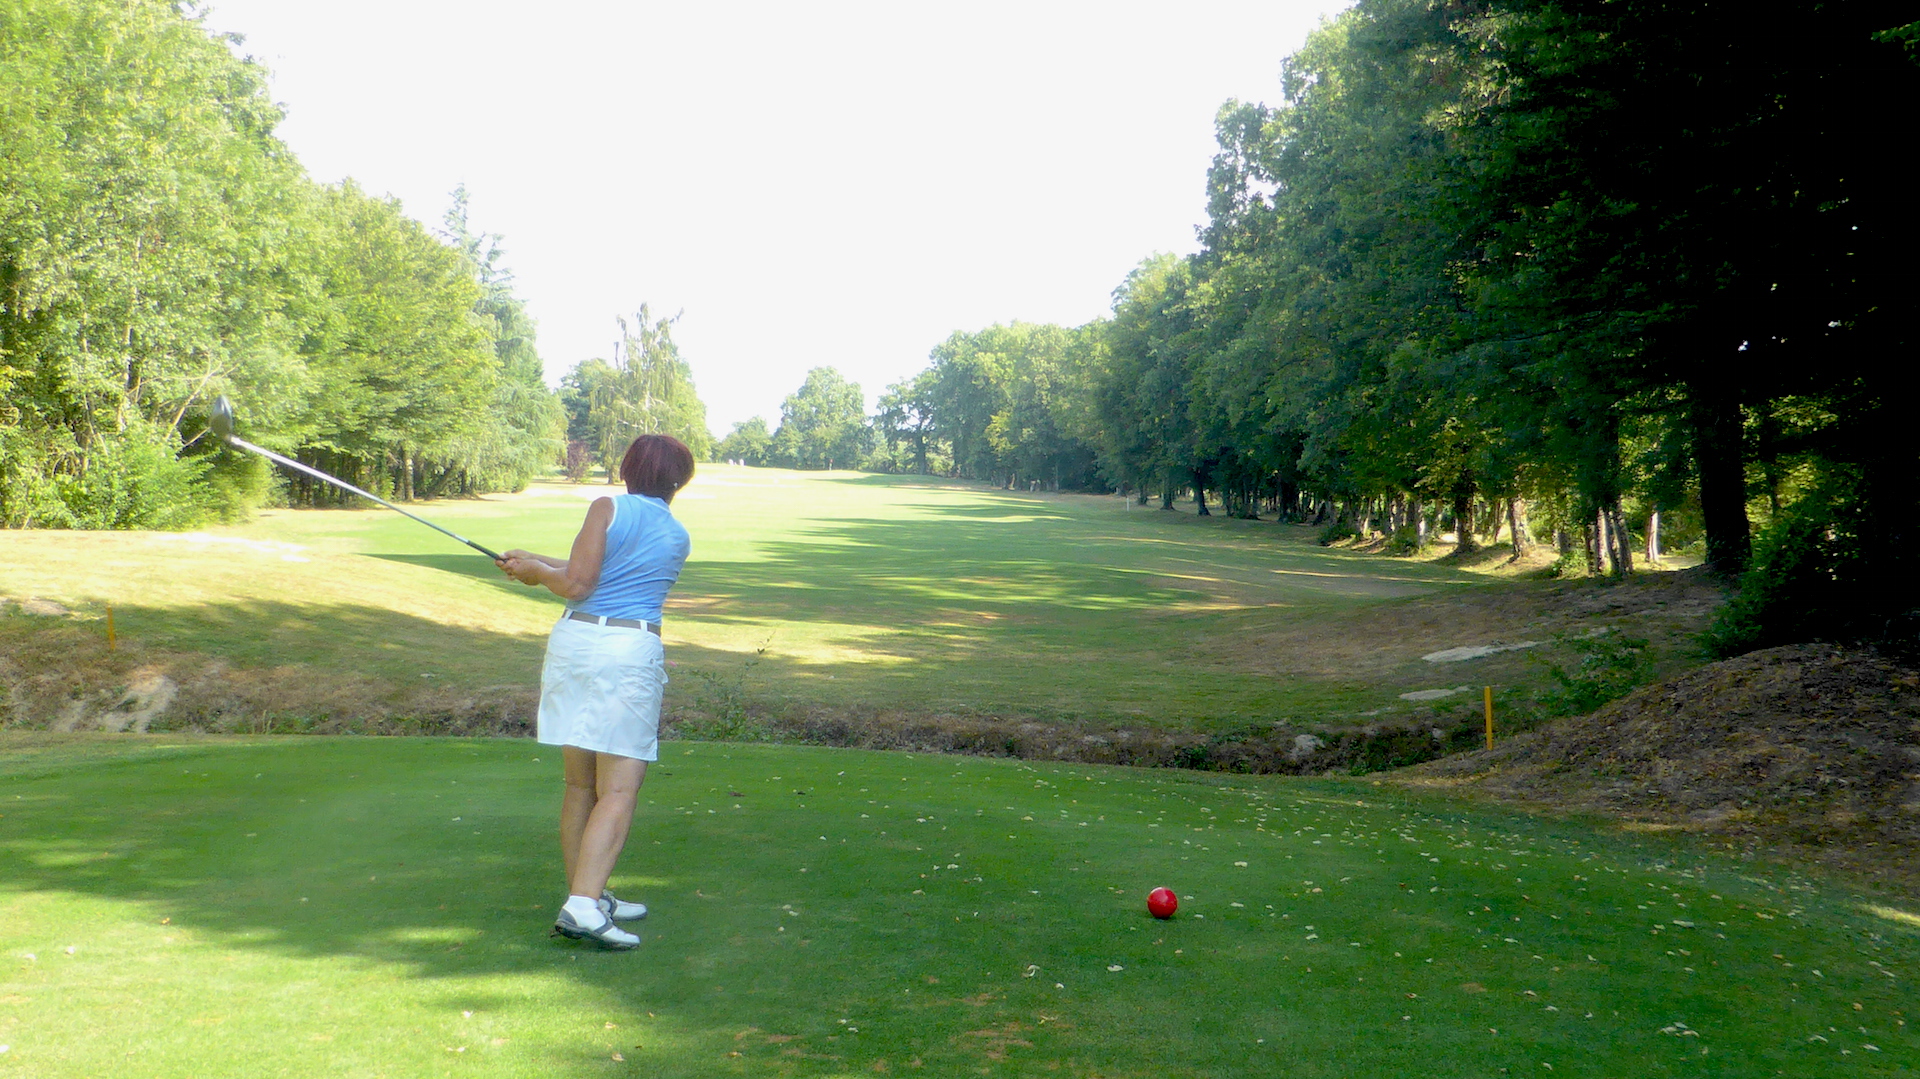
1596,264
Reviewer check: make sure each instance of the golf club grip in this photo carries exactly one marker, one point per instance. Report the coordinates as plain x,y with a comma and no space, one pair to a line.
345,486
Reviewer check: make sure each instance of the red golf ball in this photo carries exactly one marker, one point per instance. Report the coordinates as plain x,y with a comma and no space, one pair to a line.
1161,902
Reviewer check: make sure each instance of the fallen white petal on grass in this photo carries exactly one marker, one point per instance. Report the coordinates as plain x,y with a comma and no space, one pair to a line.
1431,694
1115,968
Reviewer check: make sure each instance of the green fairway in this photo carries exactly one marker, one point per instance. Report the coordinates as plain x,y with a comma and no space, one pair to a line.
364,907
806,590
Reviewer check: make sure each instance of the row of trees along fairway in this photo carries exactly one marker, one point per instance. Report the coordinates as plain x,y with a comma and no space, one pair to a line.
1599,269
159,245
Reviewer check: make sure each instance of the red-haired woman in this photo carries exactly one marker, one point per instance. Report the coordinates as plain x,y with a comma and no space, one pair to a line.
600,687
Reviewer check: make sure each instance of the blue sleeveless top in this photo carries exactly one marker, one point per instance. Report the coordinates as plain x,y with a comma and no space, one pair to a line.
645,549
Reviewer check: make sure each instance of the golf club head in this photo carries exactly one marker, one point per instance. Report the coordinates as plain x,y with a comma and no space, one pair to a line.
220,420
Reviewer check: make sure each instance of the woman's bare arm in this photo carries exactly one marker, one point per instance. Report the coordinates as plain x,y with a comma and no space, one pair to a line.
575,577
545,559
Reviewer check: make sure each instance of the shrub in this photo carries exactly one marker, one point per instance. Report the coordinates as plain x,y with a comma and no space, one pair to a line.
236,485
1610,666
1804,584
579,461
1335,532
134,480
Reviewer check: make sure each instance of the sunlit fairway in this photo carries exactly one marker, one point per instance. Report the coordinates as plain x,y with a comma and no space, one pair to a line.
835,589
357,907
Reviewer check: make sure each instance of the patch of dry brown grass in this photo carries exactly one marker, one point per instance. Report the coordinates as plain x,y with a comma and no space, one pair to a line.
1807,751
60,677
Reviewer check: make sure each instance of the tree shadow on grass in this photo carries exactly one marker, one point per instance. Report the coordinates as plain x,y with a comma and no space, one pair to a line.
425,859
476,566
972,556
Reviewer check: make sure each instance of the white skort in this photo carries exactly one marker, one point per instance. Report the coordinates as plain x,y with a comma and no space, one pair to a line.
600,689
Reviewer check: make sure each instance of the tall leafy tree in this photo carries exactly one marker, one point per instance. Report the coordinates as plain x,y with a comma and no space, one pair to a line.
904,424
823,424
396,358
646,389
522,433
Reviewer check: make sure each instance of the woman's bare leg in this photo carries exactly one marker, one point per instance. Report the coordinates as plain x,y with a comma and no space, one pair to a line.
616,789
576,805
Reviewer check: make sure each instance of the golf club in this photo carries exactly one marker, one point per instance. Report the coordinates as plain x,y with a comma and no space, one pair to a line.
221,424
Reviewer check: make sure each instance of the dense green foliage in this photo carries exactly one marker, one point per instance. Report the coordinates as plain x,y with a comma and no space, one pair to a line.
822,424
746,444
1603,269
160,246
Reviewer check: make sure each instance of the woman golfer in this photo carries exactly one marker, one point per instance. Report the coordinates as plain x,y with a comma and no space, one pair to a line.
600,687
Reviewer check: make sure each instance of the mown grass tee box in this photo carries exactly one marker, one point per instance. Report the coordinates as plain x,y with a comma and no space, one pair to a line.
352,906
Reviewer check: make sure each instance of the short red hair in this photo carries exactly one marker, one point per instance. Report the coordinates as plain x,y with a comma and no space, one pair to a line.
657,465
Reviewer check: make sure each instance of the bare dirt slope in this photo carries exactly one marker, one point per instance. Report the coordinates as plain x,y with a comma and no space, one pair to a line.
1806,751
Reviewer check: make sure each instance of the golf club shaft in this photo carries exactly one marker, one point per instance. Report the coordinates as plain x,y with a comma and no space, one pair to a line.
345,486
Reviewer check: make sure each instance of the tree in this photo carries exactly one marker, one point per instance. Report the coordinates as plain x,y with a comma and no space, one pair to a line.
521,434
396,359
646,389
748,443
905,425
823,424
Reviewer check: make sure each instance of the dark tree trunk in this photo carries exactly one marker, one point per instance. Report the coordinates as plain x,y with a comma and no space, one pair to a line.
1714,414
1199,497
1517,526
1463,518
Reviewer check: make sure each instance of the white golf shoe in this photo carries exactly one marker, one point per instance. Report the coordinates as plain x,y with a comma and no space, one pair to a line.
606,934
620,910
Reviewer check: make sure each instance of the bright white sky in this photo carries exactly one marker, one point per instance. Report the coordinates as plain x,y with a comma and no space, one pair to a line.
812,184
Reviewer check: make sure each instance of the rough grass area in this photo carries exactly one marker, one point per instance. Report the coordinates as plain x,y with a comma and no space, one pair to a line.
1807,751
831,608
180,906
